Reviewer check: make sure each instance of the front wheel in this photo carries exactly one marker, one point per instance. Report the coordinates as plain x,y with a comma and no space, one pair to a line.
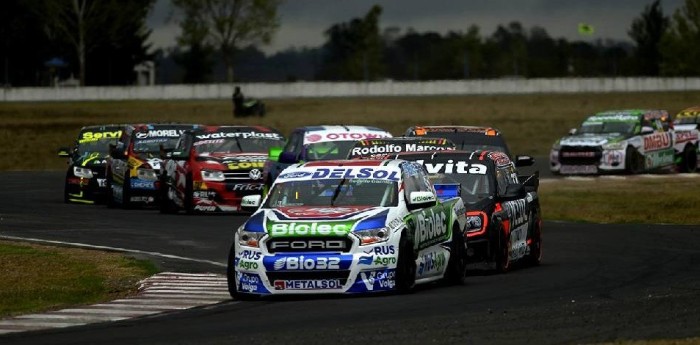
405,266
231,278
457,265
188,200
503,250
535,245
634,162
166,205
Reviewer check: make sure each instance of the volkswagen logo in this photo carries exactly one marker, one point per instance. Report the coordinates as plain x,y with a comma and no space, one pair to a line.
255,174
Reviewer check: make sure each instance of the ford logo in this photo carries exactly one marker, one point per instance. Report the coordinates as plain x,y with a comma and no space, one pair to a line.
296,174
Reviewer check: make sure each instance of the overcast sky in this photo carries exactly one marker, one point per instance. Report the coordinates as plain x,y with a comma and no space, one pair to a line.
302,22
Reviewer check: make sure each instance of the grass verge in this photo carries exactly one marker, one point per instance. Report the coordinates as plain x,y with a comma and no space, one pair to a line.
36,278
31,132
639,200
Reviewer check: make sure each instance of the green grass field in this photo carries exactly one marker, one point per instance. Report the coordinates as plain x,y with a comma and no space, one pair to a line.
31,132
37,278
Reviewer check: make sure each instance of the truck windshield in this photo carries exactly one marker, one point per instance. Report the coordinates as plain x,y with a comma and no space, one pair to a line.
333,193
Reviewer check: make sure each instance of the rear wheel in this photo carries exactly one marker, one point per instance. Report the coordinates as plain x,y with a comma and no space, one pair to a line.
405,266
689,159
503,250
457,265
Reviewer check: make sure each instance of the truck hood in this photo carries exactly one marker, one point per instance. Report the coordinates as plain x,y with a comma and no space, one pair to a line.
591,139
91,160
317,221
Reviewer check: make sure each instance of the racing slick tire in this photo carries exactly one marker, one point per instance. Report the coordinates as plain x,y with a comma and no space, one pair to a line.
188,198
634,162
231,278
535,236
457,264
66,199
166,205
689,159
110,192
405,266
126,192
502,251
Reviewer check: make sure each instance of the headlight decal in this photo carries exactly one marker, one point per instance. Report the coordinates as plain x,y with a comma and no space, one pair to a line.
82,172
213,175
477,223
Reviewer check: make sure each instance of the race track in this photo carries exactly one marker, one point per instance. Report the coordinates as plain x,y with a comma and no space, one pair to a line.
597,283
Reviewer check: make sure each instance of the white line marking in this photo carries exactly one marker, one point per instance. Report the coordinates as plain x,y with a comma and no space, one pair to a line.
130,306
118,249
38,324
106,311
86,318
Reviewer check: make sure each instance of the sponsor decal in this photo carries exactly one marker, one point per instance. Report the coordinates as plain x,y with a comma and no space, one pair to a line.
308,229
657,141
307,245
320,284
385,250
333,136
612,157
247,187
516,211
378,279
247,282
101,182
365,260
320,212
301,263
421,198
142,184
387,149
250,255
430,227
431,262
244,165
577,154
204,194
160,133
350,173
453,167
249,203
395,223
295,174
247,265
95,136
205,208
244,135
146,199
683,136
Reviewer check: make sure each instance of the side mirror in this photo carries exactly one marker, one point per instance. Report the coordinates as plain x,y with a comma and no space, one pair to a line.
421,199
64,152
288,158
274,153
250,203
524,161
573,131
448,190
514,191
647,130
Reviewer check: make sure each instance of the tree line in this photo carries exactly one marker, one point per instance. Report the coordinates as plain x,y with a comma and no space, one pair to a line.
99,42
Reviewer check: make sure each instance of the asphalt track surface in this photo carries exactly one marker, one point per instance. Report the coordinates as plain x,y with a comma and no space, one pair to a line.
597,283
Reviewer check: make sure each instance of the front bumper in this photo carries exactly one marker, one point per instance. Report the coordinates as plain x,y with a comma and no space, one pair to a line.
367,269
587,162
